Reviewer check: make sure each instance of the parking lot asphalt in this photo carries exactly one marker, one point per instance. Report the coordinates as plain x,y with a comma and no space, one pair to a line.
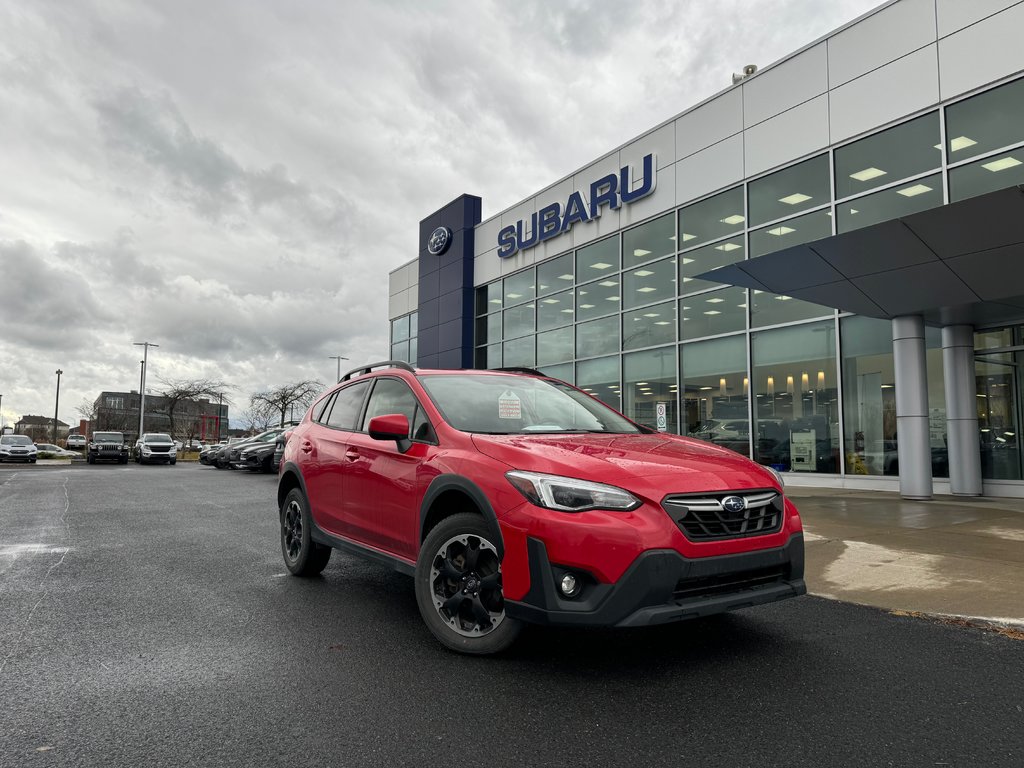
146,619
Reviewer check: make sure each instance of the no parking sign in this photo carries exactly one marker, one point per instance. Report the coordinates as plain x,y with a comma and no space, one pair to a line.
661,410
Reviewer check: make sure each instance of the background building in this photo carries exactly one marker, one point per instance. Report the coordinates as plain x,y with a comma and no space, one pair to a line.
40,428
184,419
859,191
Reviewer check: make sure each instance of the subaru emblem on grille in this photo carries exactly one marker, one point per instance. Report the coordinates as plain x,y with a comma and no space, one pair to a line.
734,504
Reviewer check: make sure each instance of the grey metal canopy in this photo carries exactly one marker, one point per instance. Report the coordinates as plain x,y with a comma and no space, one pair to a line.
961,263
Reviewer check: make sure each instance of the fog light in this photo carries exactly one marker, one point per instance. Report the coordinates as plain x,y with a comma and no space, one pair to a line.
570,585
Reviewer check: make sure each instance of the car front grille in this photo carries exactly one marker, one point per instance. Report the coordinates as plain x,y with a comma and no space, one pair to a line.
703,517
159,448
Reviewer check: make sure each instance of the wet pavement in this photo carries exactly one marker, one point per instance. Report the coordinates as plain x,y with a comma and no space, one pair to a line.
962,556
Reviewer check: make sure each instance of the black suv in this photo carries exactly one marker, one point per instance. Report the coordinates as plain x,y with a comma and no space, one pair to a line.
107,446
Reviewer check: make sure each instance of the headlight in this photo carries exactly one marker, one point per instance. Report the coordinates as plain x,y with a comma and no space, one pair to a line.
778,476
567,494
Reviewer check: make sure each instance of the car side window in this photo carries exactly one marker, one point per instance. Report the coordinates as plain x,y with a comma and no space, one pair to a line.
390,396
422,429
347,404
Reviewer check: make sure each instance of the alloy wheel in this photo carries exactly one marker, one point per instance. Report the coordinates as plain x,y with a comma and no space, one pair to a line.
291,529
465,585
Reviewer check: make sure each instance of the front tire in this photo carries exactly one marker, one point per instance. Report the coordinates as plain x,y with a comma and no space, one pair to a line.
302,555
458,587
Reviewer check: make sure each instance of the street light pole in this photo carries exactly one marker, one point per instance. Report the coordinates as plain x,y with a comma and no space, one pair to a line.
339,358
56,406
142,387
1,414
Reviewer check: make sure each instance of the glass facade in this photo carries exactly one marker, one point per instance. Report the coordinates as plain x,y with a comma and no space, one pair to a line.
404,332
795,385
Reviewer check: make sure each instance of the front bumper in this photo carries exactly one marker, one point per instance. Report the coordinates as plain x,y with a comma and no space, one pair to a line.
26,457
663,586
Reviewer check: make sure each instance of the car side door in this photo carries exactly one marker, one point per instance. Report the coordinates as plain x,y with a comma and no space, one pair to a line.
323,449
387,484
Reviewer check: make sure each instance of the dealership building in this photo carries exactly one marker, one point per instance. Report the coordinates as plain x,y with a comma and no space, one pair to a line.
820,267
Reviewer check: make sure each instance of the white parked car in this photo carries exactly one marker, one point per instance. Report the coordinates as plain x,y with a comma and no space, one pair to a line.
76,441
56,450
155,447
17,448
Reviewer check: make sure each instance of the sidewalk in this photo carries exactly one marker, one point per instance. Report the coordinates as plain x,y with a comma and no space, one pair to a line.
952,555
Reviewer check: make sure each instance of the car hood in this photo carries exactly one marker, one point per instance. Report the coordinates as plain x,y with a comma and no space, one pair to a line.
678,464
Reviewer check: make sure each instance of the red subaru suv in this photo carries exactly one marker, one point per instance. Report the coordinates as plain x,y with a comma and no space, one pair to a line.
511,497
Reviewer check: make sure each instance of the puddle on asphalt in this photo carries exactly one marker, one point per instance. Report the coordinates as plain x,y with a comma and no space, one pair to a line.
871,567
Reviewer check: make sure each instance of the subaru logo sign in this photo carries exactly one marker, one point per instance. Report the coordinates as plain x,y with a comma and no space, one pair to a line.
734,504
439,241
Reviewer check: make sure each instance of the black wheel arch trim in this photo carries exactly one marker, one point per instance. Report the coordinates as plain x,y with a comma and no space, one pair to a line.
451,482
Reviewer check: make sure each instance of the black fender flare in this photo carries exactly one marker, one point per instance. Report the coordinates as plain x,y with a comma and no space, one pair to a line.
452,482
291,469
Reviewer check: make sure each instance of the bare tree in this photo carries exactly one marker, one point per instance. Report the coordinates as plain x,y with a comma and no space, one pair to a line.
177,391
258,417
280,400
87,410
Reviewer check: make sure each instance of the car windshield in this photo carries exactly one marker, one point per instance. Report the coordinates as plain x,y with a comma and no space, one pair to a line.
504,405
16,440
107,437
157,438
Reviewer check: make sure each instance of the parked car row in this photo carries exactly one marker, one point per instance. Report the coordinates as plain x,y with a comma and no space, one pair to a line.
255,453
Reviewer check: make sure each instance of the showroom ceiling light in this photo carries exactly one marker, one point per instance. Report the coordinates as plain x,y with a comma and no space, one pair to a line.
608,283
643,273
961,142
611,298
687,261
688,236
566,276
783,298
795,198
712,312
586,306
914,191
551,301
600,265
734,219
779,231
715,300
727,247
867,174
645,289
641,252
1001,165
652,314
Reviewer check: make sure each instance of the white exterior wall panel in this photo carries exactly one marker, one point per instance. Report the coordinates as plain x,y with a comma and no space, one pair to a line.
486,236
709,123
981,53
885,94
661,141
713,168
785,86
800,131
486,267
954,15
889,34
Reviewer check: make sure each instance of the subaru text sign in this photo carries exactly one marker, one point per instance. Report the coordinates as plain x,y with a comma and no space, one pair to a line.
613,191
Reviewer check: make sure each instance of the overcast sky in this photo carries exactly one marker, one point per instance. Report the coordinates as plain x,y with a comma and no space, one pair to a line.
234,180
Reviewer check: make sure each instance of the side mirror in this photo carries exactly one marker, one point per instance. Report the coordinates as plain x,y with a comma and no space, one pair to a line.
391,426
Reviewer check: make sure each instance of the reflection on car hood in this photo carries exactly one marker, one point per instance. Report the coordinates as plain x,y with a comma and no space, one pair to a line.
615,458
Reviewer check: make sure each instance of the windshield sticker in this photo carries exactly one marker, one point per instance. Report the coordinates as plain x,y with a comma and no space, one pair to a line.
509,406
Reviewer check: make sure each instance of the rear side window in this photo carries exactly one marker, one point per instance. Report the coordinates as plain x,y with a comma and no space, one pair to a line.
321,409
347,404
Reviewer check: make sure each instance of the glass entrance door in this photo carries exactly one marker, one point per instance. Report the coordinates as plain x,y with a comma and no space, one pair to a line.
997,377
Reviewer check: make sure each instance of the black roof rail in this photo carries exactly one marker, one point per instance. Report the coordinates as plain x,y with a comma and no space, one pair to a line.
518,369
383,364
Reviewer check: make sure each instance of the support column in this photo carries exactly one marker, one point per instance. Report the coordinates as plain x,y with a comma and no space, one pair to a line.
962,436
914,446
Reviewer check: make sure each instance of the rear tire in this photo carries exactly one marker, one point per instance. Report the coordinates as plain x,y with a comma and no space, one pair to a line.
302,555
458,587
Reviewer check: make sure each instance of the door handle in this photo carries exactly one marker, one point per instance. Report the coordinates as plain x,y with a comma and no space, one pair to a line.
306,447
351,454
